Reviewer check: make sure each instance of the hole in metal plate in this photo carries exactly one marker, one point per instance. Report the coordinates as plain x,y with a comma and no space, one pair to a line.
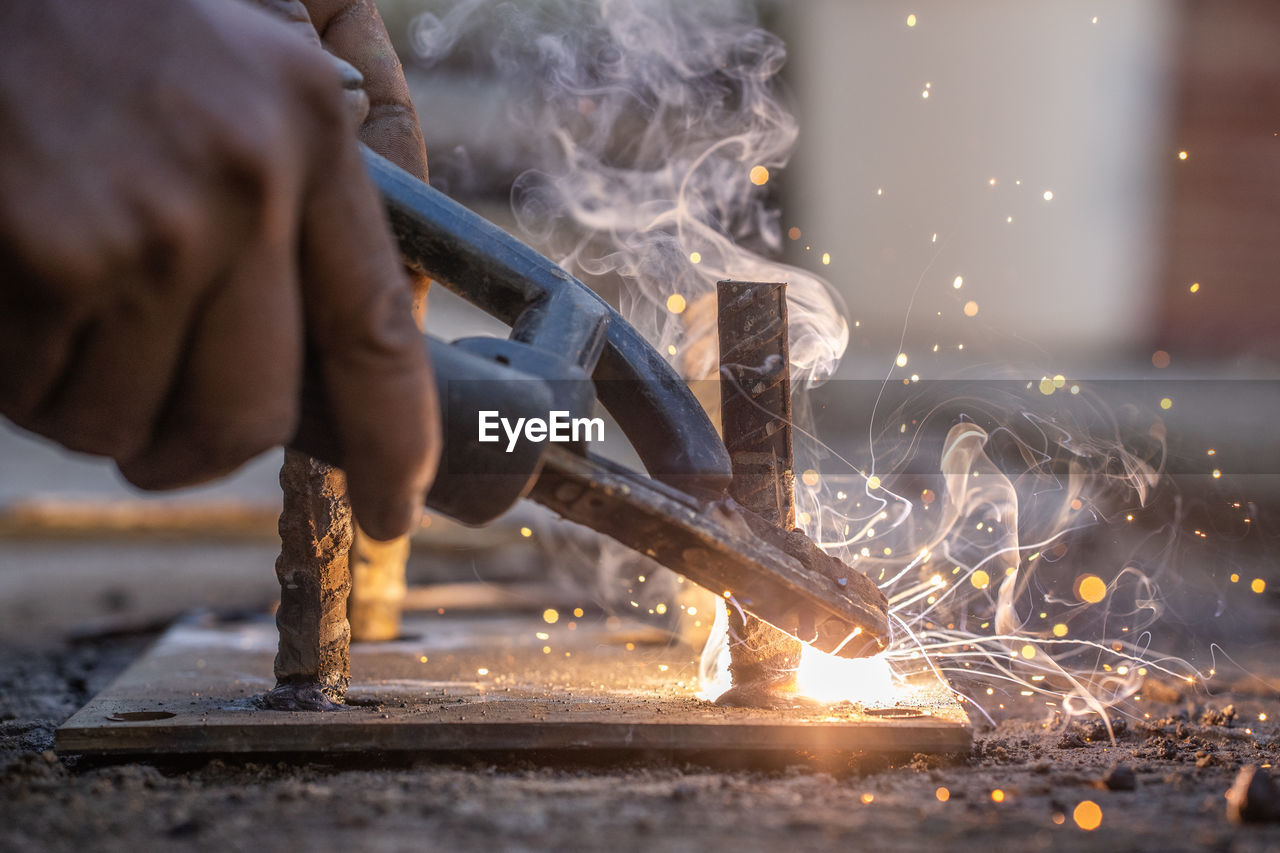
139,716
895,713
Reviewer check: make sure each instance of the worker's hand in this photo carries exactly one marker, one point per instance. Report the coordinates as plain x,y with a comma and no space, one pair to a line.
182,204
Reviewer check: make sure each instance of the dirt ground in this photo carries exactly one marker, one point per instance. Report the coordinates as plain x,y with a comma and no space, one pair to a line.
1182,760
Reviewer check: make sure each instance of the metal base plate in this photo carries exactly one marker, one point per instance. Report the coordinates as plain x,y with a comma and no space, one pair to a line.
505,683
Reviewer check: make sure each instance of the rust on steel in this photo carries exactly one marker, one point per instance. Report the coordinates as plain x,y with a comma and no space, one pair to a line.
755,418
312,665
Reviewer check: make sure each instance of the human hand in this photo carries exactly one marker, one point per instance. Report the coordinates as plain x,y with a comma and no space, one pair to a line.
182,207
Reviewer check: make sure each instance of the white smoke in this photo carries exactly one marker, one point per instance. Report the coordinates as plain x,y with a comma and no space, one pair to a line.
643,124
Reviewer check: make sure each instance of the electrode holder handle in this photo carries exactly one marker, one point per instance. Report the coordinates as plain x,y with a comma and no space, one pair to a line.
551,311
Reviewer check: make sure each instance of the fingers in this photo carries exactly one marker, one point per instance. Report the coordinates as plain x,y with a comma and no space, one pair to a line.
294,12
353,30
370,354
120,368
237,390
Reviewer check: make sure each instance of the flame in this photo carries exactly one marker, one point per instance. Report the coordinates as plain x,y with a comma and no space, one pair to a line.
832,679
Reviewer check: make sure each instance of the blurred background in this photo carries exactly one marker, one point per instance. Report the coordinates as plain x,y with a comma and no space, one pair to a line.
996,188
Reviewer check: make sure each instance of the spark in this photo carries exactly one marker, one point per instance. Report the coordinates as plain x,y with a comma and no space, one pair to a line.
1087,815
1182,155
942,794
671,349
810,477
958,282
980,579
970,309
826,258
1090,588
901,359
1160,359
794,233
873,482
911,20
526,532
1216,474
759,175
578,611
1028,651
1258,585
1195,287
695,257
1048,195
484,670
868,798
1166,403
1008,219
997,796
422,659
660,609
1235,578
676,303
551,616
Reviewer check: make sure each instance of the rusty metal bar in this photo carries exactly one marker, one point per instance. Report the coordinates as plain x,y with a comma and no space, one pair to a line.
755,417
312,663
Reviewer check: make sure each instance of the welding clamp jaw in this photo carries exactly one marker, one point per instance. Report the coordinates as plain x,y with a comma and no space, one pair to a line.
567,349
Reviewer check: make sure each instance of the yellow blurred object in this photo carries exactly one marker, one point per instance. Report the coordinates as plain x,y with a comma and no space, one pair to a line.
377,587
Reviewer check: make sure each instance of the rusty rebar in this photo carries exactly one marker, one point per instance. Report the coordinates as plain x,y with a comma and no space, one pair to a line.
312,663
755,417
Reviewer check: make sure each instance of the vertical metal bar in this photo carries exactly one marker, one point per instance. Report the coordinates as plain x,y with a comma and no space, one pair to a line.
313,660
755,416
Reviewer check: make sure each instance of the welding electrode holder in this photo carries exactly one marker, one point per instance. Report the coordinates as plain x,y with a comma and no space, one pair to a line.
562,337
568,347
554,316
